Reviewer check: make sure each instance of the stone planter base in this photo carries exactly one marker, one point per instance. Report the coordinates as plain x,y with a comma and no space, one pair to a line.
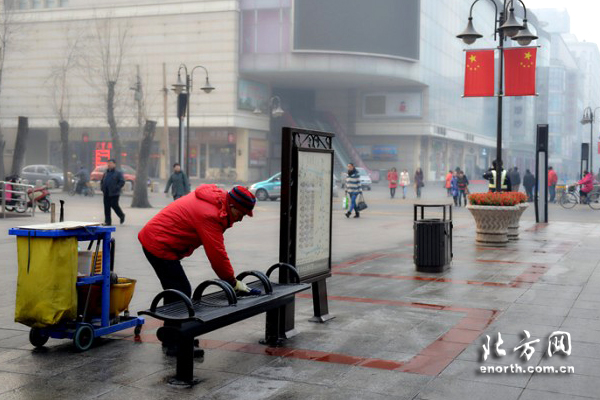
492,224
513,226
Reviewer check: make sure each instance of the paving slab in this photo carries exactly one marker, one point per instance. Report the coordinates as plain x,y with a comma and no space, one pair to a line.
398,333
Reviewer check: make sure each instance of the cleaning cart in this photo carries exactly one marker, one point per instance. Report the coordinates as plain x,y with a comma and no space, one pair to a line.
59,300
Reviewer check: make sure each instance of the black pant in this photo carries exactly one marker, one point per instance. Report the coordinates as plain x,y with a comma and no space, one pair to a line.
529,193
111,202
392,192
171,276
462,194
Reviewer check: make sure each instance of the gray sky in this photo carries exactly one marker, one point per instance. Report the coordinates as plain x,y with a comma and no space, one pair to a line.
583,13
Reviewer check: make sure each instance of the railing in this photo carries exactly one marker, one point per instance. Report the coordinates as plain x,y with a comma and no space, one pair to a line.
19,198
340,133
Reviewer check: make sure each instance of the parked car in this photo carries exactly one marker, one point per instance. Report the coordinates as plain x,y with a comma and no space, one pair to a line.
128,173
268,189
271,188
45,173
365,179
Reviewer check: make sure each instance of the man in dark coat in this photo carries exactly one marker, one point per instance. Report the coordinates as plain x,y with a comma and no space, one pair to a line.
83,177
515,179
178,182
529,183
111,184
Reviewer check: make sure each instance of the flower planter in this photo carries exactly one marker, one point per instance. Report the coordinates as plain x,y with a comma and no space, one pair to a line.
492,223
513,226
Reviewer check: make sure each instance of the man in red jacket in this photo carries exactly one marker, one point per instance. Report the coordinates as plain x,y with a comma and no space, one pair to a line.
552,180
197,219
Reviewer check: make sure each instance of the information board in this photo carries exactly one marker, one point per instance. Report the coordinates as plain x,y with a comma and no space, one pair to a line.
313,212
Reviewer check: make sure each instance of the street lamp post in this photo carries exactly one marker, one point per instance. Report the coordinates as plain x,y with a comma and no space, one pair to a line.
505,26
275,111
184,92
588,118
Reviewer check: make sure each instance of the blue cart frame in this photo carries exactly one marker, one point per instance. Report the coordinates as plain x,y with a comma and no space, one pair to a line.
80,330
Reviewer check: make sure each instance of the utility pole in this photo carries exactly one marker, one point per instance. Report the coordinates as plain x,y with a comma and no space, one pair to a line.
165,151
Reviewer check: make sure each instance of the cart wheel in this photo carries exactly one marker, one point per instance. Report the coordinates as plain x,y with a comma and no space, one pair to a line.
137,330
84,337
37,337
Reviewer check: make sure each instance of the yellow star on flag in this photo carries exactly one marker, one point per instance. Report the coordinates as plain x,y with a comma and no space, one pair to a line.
528,55
473,58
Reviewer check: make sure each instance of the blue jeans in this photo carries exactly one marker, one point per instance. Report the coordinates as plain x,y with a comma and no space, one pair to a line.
353,197
552,190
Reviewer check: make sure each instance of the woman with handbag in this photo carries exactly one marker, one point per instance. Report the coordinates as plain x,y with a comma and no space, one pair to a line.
353,189
419,181
404,181
392,178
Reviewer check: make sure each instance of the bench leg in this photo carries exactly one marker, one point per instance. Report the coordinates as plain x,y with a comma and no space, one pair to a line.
185,363
321,307
280,325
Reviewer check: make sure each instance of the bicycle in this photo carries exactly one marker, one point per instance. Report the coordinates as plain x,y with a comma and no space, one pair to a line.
571,197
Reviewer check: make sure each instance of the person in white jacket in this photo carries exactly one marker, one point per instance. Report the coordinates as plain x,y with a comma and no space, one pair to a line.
404,181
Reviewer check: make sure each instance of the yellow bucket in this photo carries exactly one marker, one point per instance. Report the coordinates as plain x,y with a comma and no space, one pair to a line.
121,294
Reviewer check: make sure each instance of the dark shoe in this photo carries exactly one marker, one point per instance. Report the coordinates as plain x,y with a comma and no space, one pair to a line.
348,214
357,215
107,224
122,219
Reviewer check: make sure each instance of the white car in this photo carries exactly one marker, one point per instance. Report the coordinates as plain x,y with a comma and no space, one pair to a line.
365,179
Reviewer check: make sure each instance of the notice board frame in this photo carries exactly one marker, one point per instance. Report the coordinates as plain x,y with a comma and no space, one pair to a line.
294,141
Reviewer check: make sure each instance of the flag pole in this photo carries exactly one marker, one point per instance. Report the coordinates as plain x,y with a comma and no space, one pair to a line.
500,97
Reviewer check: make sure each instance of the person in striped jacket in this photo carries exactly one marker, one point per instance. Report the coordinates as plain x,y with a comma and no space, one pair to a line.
353,189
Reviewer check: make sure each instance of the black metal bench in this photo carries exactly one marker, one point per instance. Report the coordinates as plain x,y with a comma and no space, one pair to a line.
203,313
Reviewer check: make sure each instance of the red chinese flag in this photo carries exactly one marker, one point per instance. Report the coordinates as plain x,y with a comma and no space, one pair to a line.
519,74
479,73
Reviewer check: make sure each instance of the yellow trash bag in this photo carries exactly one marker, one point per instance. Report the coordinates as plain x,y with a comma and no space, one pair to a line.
46,284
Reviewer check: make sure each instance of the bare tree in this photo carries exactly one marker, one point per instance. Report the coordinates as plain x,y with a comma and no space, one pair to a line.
8,29
147,131
20,146
60,75
104,62
140,190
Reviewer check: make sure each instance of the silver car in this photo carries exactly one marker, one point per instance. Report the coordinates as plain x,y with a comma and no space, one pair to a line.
44,173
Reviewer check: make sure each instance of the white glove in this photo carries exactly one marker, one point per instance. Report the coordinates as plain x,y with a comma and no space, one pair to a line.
242,289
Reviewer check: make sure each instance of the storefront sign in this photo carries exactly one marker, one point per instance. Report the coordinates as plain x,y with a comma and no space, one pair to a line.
253,95
102,153
377,152
258,152
393,105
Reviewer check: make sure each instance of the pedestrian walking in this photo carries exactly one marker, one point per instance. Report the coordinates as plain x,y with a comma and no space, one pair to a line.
528,184
515,179
353,189
448,184
418,178
178,182
463,188
392,178
552,180
404,181
454,189
199,219
111,184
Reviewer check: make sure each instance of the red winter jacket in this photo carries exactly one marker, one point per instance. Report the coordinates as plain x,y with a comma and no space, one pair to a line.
587,183
197,219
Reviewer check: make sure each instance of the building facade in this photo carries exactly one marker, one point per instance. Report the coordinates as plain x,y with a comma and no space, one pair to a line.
387,80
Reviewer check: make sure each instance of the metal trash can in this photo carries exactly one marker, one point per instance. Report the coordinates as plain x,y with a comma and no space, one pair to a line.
433,239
